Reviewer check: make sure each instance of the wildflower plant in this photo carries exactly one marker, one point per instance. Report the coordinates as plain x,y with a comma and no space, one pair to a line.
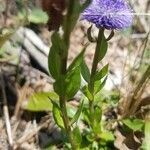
67,79
105,14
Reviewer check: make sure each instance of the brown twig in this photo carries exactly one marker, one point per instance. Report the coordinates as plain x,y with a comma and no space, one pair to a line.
134,98
139,90
29,135
5,111
36,129
22,95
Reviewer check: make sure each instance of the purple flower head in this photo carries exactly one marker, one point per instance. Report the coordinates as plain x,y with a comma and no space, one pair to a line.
110,14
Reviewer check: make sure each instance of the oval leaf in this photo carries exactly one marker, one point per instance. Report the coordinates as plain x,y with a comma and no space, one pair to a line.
78,60
102,73
98,85
57,115
41,101
87,93
103,48
54,58
77,136
134,124
85,71
73,82
77,115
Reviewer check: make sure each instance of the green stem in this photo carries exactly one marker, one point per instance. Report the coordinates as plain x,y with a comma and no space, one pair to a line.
94,67
67,32
62,98
96,56
66,122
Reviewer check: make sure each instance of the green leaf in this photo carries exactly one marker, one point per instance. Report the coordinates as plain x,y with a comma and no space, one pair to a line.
4,37
50,147
54,59
73,82
98,85
146,142
90,137
87,93
75,12
110,36
41,101
78,60
86,115
85,71
97,114
57,115
134,124
89,35
71,110
107,136
77,136
54,63
96,123
102,73
95,145
103,48
77,115
59,85
38,16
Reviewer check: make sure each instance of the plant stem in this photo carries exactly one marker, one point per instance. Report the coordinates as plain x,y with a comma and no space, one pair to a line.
67,31
94,67
62,98
96,55
66,122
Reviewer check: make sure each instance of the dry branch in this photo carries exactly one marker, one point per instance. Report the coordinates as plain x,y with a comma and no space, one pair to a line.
28,135
6,112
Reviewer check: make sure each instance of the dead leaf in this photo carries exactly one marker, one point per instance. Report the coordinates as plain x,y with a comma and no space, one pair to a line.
54,9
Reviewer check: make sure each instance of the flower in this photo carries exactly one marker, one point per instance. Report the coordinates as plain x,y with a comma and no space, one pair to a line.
110,14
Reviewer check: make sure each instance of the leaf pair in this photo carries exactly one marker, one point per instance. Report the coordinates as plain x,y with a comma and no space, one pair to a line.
68,84
100,79
99,82
134,124
58,115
